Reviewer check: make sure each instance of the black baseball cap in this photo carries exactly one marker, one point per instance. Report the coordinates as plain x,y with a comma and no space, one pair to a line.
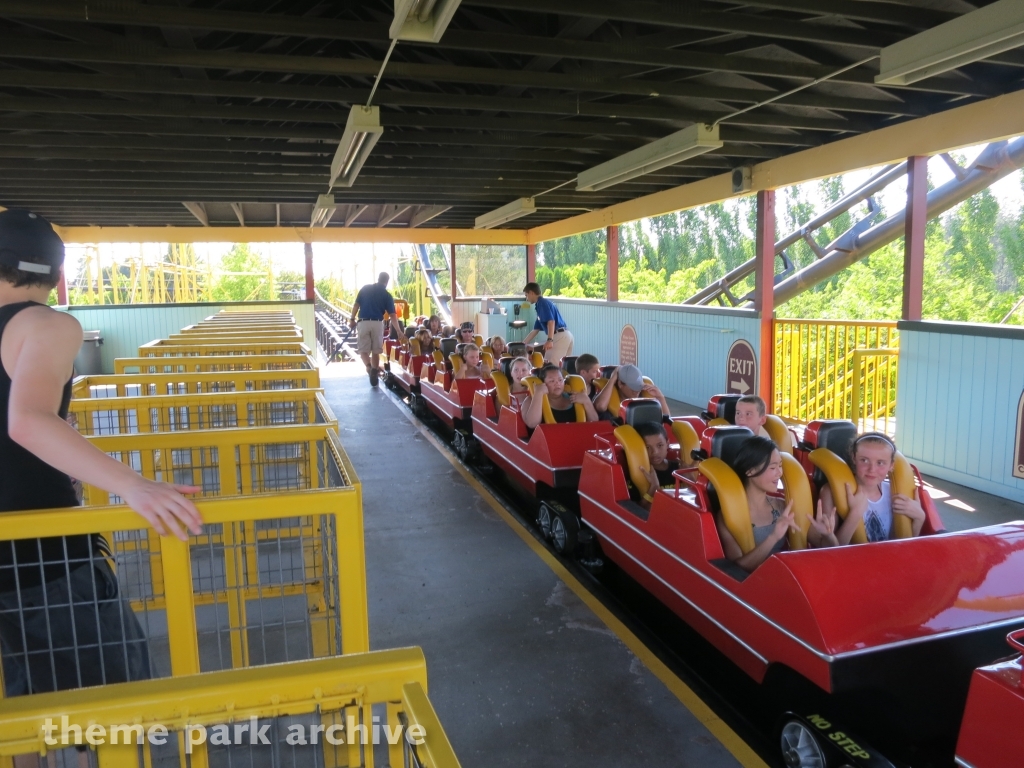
28,243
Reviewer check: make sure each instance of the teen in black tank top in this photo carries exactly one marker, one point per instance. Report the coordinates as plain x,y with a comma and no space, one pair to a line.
27,482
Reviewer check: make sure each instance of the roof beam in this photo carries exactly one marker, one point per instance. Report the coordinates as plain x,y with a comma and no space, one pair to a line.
199,211
288,235
419,72
354,212
389,213
475,40
425,213
548,106
863,10
687,16
237,208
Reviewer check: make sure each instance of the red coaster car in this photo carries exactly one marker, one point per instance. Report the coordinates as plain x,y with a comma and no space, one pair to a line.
405,365
448,398
546,461
880,637
990,735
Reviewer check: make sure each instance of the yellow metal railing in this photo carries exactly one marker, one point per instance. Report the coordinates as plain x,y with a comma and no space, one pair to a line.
222,599
200,335
222,410
153,384
199,364
333,698
823,369
874,390
165,348
231,462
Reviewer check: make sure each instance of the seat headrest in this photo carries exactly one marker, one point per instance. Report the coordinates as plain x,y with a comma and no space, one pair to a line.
460,348
834,434
722,407
725,442
517,349
636,457
506,367
569,364
638,410
502,388
448,346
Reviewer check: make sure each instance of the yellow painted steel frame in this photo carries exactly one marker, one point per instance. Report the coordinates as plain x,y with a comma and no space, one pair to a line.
175,559
197,336
165,347
199,364
327,688
239,542
152,384
215,410
242,457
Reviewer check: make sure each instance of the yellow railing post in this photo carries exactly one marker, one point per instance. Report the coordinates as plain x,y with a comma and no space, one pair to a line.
181,612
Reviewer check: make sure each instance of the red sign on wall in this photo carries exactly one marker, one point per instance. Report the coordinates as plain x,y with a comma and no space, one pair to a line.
1018,443
741,368
629,351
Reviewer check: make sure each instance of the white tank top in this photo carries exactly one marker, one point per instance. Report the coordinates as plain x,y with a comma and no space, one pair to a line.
878,518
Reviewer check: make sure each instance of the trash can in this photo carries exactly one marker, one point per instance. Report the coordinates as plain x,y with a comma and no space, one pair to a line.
89,362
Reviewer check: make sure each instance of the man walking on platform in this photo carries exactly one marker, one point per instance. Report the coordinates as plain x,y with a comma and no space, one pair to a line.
549,320
371,303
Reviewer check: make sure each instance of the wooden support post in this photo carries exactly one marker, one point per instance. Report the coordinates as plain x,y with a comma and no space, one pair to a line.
764,292
613,263
531,263
455,288
310,284
62,289
913,253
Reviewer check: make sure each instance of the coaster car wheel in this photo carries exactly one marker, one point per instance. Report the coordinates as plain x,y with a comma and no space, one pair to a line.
800,746
460,444
544,516
565,529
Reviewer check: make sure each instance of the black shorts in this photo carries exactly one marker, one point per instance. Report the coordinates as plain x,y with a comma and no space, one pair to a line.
70,633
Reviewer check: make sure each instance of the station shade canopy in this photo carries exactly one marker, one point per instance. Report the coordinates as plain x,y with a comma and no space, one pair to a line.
153,114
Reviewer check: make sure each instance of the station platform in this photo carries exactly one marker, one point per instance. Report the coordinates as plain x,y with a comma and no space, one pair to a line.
526,667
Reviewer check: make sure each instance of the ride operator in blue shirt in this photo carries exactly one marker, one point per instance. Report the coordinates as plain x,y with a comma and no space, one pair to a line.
549,320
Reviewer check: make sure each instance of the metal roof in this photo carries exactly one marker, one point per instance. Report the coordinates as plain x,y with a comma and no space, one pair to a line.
117,113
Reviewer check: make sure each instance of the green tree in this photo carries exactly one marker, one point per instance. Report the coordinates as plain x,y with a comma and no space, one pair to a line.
244,275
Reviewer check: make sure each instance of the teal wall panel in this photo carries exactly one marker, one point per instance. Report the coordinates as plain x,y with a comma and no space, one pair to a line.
956,402
683,350
126,328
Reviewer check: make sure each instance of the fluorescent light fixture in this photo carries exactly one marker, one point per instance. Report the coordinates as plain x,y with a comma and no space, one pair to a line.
323,211
422,21
362,130
524,206
974,36
689,142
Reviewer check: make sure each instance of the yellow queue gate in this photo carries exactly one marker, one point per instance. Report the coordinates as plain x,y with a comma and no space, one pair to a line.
164,347
190,412
335,696
199,364
153,384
